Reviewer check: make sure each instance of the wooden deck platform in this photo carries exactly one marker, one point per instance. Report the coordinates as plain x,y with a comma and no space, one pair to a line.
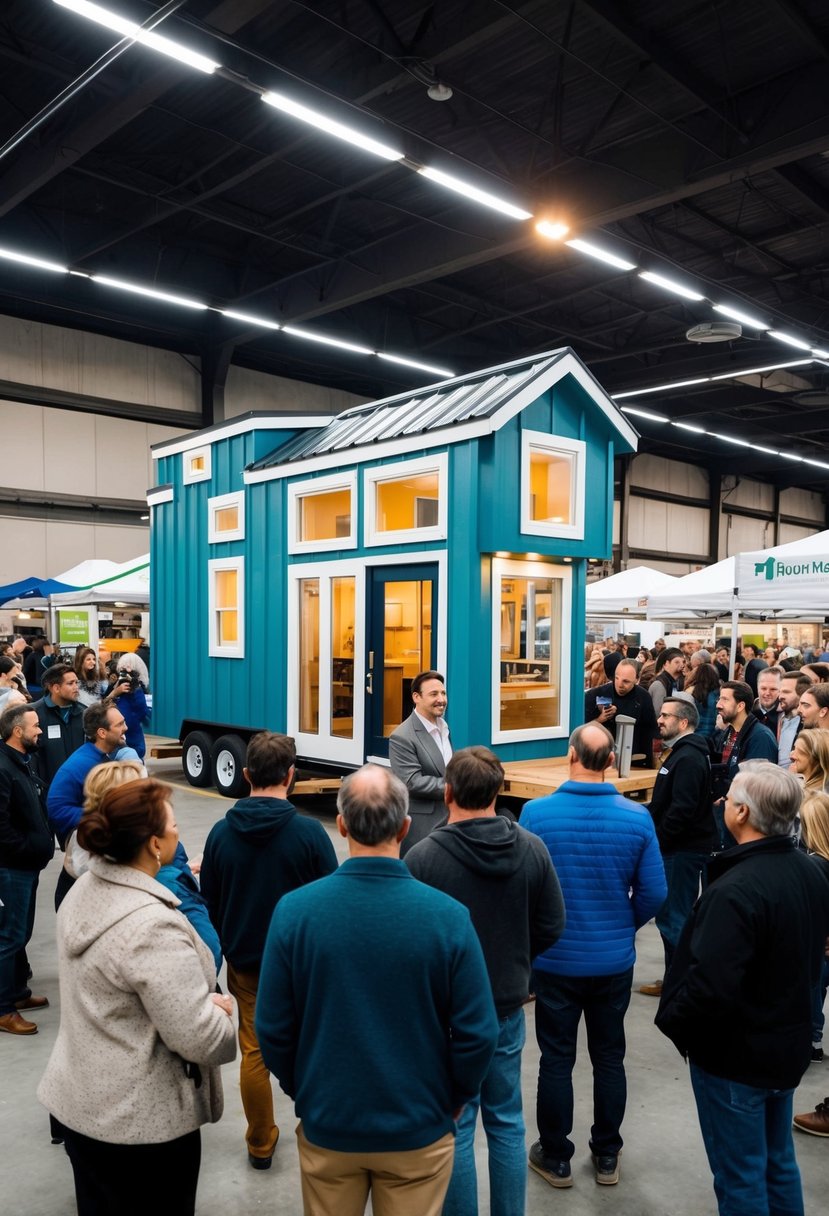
533,778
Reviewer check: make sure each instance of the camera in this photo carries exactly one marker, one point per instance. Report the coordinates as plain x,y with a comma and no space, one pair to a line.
127,677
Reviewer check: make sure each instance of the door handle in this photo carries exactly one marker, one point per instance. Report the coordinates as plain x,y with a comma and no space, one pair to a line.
370,683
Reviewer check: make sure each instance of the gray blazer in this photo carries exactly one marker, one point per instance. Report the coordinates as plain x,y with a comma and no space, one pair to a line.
418,762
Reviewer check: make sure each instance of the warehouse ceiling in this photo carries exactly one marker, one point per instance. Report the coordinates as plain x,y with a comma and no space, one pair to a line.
690,139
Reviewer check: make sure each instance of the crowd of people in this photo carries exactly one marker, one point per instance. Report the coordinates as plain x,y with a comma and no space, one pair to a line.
479,915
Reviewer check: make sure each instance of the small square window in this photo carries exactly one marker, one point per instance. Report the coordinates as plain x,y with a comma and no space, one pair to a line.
322,514
226,595
196,465
226,517
407,501
552,485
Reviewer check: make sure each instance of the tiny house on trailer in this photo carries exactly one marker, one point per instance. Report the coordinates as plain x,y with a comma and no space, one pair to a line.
305,569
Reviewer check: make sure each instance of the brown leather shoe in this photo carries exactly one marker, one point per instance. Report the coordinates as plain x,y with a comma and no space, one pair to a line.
654,989
13,1023
817,1122
32,1002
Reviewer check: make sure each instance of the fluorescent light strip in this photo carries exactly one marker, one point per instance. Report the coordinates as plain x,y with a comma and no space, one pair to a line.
469,191
740,443
821,354
38,263
310,337
148,38
760,371
423,367
330,125
669,285
686,426
789,339
628,409
247,319
742,317
659,388
602,255
167,297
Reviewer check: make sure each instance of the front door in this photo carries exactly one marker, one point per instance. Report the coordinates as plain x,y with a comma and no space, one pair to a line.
401,604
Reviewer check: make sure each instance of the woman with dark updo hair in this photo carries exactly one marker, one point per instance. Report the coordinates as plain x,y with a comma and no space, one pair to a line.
134,1072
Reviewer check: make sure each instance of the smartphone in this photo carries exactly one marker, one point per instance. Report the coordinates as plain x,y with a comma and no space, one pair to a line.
603,702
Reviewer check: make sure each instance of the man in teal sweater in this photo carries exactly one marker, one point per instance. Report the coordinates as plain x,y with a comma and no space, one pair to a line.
375,1013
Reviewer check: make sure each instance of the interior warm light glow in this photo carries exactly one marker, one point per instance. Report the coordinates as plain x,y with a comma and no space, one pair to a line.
789,339
554,230
129,29
742,317
26,260
247,319
330,125
423,367
470,191
168,298
602,255
678,289
311,337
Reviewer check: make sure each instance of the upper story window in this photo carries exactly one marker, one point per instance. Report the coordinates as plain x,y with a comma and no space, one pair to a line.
226,606
226,517
407,501
322,514
197,465
552,485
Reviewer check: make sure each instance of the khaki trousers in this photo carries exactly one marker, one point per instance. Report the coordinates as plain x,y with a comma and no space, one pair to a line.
411,1183
254,1078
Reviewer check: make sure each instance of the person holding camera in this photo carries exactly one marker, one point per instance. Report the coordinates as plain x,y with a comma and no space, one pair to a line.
128,692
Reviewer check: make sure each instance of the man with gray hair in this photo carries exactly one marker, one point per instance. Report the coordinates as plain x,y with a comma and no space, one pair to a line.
375,1014
737,997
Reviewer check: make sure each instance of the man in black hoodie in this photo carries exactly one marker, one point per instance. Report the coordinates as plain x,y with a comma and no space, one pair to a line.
682,815
260,851
506,879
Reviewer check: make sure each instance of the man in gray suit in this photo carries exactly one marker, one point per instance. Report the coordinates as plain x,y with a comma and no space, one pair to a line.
419,750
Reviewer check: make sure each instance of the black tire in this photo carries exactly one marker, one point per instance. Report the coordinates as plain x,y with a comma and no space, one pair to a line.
228,761
195,758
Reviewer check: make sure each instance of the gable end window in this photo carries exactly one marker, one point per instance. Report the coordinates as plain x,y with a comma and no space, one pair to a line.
197,465
552,485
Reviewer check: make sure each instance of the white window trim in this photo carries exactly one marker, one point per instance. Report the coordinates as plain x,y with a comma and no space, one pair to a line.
438,463
563,447
237,500
321,485
160,495
503,568
215,650
188,476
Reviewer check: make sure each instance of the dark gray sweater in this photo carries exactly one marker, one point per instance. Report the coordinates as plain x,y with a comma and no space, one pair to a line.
506,879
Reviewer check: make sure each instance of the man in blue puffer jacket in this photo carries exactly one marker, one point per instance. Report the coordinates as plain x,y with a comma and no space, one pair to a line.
607,859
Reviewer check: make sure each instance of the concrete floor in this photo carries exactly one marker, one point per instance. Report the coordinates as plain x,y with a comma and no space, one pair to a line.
664,1170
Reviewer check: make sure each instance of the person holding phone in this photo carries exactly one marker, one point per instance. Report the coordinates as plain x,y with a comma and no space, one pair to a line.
622,695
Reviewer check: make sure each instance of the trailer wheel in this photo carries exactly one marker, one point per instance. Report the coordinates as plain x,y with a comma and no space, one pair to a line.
228,756
195,758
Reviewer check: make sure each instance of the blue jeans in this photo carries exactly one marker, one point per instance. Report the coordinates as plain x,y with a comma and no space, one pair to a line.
818,999
503,1120
682,873
747,1134
560,1002
17,918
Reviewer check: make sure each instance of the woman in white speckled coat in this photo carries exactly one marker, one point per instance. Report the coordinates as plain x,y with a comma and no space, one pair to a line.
134,1072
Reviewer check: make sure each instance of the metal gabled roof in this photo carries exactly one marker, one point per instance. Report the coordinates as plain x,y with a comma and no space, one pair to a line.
433,408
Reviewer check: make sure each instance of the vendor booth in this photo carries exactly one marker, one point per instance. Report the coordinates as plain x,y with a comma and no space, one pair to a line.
306,569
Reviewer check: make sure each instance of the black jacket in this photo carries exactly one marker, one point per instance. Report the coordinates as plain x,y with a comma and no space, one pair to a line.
754,742
737,997
504,876
767,717
681,799
58,740
637,704
26,841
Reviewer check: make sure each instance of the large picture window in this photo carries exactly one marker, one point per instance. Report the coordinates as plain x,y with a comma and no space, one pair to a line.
552,485
406,502
226,605
530,640
322,514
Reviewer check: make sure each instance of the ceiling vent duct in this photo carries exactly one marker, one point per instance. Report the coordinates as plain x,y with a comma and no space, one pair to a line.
714,331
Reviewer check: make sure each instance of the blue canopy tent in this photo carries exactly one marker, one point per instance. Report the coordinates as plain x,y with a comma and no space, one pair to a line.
33,589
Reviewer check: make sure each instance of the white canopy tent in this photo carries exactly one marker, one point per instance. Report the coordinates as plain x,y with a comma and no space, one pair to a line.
747,585
627,592
125,583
